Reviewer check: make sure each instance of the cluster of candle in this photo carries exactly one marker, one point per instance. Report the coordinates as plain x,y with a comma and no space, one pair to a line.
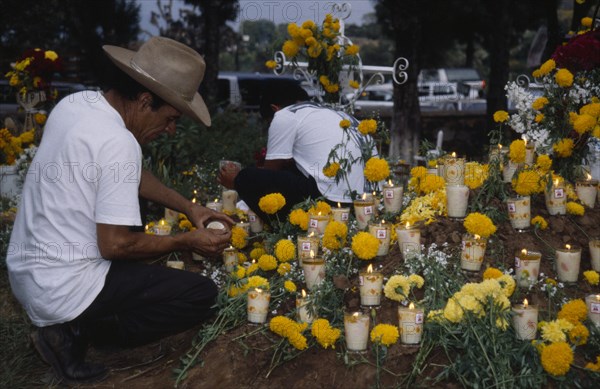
258,305
556,198
519,212
587,191
409,239
314,270
568,260
525,320
527,267
472,253
382,231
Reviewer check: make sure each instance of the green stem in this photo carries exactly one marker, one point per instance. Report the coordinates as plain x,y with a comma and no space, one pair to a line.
490,364
580,229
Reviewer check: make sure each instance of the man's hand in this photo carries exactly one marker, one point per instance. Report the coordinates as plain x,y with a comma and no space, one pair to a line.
200,215
227,174
209,242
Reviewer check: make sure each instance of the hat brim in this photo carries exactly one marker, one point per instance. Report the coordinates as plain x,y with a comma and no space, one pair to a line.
196,108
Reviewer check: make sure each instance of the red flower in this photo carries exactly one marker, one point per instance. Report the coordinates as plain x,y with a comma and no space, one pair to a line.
260,156
582,52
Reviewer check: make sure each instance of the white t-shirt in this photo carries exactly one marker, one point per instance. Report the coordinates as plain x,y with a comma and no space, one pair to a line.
307,132
87,170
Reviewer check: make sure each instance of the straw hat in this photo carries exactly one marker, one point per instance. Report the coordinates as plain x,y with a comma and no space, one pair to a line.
168,68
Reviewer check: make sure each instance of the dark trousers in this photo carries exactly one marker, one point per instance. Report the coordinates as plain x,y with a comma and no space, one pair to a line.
142,303
253,183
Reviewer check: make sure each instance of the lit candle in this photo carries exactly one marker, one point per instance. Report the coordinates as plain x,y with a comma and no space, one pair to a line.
525,320
411,324
568,260
162,228
306,245
229,200
314,270
215,205
392,197
382,232
256,224
317,223
457,200
216,225
244,226
519,212
587,191
556,198
593,307
302,312
473,252
371,283
509,171
356,329
454,170
409,239
440,166
230,258
341,214
175,264
258,305
595,254
363,209
171,216
527,267
529,152
497,155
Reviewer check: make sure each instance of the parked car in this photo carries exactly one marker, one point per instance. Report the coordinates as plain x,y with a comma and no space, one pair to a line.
468,80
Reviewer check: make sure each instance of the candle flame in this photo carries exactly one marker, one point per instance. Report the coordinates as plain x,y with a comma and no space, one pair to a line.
390,183
312,233
477,236
216,200
370,268
411,306
556,182
194,200
162,222
195,192
453,154
499,146
568,246
254,261
383,222
374,193
258,290
146,227
407,225
524,251
364,196
303,293
312,254
355,314
525,303
525,140
589,177
319,214
339,206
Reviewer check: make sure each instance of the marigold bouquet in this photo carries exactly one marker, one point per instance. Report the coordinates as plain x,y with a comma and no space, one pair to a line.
33,71
12,146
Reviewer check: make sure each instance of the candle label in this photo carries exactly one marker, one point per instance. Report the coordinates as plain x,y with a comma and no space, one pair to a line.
389,194
517,262
361,280
305,246
512,208
345,216
314,223
252,218
559,193
595,307
381,234
419,318
368,210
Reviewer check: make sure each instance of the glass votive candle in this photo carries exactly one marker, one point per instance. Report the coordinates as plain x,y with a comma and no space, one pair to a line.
586,191
556,198
162,228
356,330
568,260
527,267
258,305
454,170
410,324
171,216
525,320
256,223
382,231
306,245
230,258
519,212
363,210
303,314
409,239
392,197
529,153
457,200
371,283
317,223
472,253
595,254
508,171
593,307
176,264
215,205
314,271
341,214
229,197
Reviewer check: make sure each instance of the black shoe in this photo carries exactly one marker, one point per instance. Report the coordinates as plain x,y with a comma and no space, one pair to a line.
64,349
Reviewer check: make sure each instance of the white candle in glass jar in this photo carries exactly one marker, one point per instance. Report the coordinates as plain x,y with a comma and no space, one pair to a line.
314,271
568,260
302,312
457,200
258,305
454,170
409,239
317,223
392,197
595,254
527,267
593,307
382,232
341,214
371,283
410,324
256,223
171,216
473,252
587,191
230,258
356,329
162,228
529,152
176,264
364,210
215,205
525,320
508,171
306,245
519,212
556,198
230,197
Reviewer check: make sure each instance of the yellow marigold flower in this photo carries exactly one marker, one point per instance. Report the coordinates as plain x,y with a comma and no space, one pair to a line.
416,280
543,162
293,30
554,331
479,224
365,245
352,50
238,237
539,117
453,311
314,51
257,252
331,170
367,126
564,78
397,288
354,84
40,118
290,330
594,366
384,334
508,284
298,341
267,262
527,183
239,273
491,273
27,136
334,237
592,109
586,22
540,222
285,250
185,225
290,286
574,208
324,80
592,277
475,174
242,257
332,88
290,49
311,41
536,73
418,172
271,203
517,151
320,207
431,183
540,103
578,336
284,268
557,358
308,24
345,123
376,169
500,116
271,64
547,67
257,282
306,33
574,311
299,217
564,147
325,334
583,123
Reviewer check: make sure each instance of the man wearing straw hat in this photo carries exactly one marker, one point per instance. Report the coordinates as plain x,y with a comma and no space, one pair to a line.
72,255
